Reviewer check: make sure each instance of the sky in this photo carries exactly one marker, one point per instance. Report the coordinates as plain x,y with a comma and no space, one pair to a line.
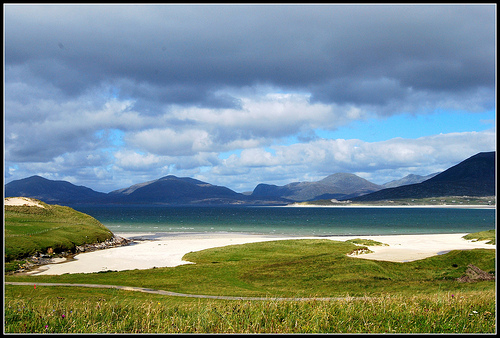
107,96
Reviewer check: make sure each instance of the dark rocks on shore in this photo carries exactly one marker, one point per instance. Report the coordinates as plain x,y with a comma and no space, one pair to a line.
110,243
45,258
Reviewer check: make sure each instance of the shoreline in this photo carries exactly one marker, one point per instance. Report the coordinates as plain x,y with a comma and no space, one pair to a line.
155,249
295,205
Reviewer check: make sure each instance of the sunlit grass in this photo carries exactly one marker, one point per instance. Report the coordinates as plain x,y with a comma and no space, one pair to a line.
29,230
422,296
78,310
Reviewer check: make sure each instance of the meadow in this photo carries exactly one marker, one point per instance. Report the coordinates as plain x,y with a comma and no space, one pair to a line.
421,296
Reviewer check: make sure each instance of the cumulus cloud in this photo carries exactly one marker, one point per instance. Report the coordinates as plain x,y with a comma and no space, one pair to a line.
382,161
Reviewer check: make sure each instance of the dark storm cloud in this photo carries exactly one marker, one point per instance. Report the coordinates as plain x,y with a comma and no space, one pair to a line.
184,54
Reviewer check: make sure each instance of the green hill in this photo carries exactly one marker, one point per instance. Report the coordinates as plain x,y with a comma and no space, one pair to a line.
48,228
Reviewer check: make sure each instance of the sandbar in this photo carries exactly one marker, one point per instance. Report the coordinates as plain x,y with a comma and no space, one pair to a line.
167,249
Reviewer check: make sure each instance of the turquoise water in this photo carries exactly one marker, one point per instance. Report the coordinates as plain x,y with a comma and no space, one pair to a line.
292,220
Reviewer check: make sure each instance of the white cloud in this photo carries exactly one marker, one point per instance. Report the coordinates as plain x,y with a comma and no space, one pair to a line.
129,160
379,161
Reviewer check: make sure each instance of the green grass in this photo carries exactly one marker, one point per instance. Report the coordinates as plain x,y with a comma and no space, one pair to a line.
30,229
80,310
422,296
367,242
488,235
296,268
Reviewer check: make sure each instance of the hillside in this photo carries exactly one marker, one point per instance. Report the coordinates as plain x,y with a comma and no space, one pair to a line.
37,227
409,179
174,190
474,176
338,186
51,191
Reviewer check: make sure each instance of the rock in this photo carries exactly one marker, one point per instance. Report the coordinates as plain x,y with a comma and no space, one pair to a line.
110,243
43,259
474,274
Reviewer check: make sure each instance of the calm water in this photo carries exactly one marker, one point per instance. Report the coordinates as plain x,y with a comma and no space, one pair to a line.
292,221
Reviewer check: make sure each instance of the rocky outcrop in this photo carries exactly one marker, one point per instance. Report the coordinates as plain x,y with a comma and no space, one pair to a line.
110,243
39,259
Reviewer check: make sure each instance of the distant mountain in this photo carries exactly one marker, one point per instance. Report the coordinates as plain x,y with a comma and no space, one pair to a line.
338,186
474,176
410,179
174,190
52,192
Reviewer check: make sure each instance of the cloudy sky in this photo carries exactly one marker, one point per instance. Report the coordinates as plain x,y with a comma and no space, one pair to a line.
108,96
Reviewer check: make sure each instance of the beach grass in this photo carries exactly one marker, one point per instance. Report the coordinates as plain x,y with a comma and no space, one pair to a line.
367,242
488,235
53,228
423,296
80,310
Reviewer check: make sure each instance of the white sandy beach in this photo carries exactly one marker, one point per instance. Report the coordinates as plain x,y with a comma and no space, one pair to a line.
167,249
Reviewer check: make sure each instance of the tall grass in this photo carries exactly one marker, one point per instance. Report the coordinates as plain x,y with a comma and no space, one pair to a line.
110,311
488,235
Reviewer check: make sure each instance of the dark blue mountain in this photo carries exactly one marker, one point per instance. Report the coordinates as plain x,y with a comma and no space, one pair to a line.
52,192
473,177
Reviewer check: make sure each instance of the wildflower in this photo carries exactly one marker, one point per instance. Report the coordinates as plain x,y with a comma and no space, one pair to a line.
452,296
46,326
35,286
63,316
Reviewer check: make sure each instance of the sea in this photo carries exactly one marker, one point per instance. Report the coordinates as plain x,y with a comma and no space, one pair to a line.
291,221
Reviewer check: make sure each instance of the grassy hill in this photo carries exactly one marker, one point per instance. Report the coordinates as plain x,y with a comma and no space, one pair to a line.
50,228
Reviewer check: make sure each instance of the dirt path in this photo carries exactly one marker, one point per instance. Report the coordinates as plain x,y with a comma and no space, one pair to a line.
175,294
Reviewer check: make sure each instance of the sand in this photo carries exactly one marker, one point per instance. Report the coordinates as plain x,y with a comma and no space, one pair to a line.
18,201
167,249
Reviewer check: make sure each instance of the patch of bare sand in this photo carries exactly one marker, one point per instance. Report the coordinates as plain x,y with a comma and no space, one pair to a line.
20,201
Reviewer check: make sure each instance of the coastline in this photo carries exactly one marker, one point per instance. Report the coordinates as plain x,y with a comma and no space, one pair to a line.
154,250
346,205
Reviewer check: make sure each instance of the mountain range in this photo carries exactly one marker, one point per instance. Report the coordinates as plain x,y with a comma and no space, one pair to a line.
473,177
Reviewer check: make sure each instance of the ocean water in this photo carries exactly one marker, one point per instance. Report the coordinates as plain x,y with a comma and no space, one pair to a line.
292,221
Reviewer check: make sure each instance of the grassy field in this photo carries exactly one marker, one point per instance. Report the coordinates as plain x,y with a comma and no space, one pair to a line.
54,228
80,310
421,296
